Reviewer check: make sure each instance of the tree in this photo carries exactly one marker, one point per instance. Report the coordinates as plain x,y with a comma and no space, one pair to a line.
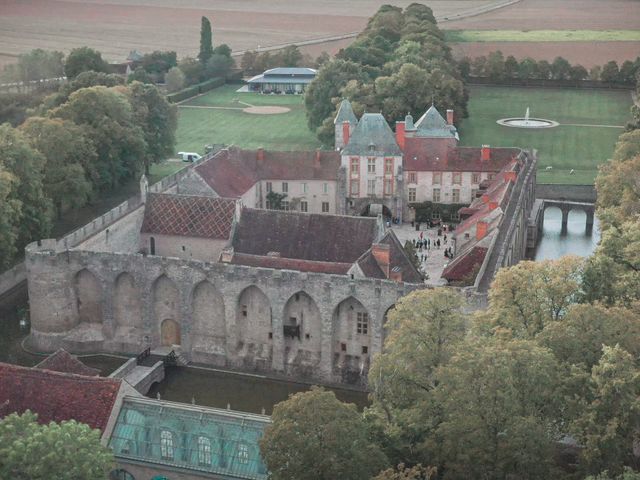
159,62
65,451
84,59
222,49
109,120
511,67
10,211
140,75
527,296
423,331
314,435
275,199
35,65
174,79
83,80
290,56
418,472
560,69
248,62
206,41
219,65
494,68
499,404
527,69
69,156
610,72
158,120
192,69
578,73
543,70
26,196
628,71
594,72
627,474
609,424
323,58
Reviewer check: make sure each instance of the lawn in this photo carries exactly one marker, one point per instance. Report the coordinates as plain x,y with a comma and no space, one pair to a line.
459,36
230,125
566,147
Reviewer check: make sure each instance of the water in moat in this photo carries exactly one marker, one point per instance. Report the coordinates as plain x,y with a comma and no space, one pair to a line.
576,241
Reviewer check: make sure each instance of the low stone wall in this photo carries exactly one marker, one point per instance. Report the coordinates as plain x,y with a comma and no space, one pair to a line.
567,193
12,278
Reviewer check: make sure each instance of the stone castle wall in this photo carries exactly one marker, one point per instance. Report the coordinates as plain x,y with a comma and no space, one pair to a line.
231,316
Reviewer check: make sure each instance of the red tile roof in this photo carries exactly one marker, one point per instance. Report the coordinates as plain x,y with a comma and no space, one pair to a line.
57,396
463,266
233,171
398,259
434,154
63,361
188,215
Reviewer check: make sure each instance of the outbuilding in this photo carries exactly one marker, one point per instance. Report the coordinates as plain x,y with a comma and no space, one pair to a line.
282,80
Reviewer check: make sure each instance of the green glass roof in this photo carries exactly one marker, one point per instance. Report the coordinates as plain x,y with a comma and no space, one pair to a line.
196,438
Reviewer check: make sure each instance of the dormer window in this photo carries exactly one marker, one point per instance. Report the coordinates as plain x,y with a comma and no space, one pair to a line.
372,147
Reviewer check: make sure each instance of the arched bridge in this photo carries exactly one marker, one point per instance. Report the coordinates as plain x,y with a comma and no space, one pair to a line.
566,207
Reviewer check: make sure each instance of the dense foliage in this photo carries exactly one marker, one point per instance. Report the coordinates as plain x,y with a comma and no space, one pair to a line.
399,64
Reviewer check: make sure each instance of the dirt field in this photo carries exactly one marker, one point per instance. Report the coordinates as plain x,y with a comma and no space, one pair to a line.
117,26
586,54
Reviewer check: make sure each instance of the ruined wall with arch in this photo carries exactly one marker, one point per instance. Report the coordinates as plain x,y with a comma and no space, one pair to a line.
244,318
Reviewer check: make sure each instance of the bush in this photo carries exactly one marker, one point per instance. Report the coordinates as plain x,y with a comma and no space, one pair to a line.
210,84
183,94
446,211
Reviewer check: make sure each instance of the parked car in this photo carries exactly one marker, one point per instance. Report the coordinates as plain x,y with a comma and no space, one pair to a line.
189,156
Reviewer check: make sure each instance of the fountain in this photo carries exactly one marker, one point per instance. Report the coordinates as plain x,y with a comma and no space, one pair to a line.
527,122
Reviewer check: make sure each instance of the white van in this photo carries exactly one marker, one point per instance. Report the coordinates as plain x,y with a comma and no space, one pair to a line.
189,156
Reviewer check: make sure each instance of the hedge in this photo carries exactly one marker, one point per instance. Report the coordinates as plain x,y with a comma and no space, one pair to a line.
447,211
194,90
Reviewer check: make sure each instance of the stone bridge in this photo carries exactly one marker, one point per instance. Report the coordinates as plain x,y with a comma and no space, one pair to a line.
566,207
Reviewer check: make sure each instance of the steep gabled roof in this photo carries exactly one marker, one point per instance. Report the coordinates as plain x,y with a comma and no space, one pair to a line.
303,236
398,260
56,396
372,136
345,113
432,124
188,215
233,171
63,361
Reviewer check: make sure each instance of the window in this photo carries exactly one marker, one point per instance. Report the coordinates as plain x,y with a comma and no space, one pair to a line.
304,206
388,166
243,453
362,326
325,207
388,186
166,445
371,187
455,215
152,245
457,178
354,187
412,177
343,347
284,205
412,194
355,167
204,451
436,195
435,215
244,310
269,187
455,195
126,448
437,178
371,165
304,188
475,178
120,474
285,187
325,188
365,350
474,194
491,176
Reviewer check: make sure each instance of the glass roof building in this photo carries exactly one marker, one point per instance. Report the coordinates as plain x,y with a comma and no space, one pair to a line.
186,438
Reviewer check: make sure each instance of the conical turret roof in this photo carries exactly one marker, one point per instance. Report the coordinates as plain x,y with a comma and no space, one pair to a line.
373,137
345,113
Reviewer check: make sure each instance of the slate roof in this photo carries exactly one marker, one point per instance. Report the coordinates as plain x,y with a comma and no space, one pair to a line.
424,155
304,236
285,75
398,260
56,396
232,438
188,215
372,136
233,171
432,124
345,113
291,71
63,361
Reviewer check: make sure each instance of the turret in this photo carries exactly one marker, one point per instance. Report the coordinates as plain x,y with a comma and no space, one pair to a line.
344,124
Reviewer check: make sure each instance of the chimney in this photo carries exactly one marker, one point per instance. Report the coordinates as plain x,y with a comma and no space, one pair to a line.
493,205
382,253
396,274
510,176
485,153
316,162
227,255
400,128
450,117
481,230
260,155
485,198
346,132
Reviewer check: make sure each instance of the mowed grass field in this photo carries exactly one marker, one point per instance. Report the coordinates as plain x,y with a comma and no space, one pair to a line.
542,35
226,123
571,145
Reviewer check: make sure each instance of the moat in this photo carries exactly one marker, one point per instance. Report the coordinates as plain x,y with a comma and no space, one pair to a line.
250,392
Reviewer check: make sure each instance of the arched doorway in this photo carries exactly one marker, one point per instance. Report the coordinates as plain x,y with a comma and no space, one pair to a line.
351,340
375,209
169,333
302,324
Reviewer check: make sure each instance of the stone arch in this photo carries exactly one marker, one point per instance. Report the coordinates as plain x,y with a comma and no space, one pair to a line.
302,330
170,332
127,303
368,210
166,300
385,317
209,326
351,340
88,297
254,325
